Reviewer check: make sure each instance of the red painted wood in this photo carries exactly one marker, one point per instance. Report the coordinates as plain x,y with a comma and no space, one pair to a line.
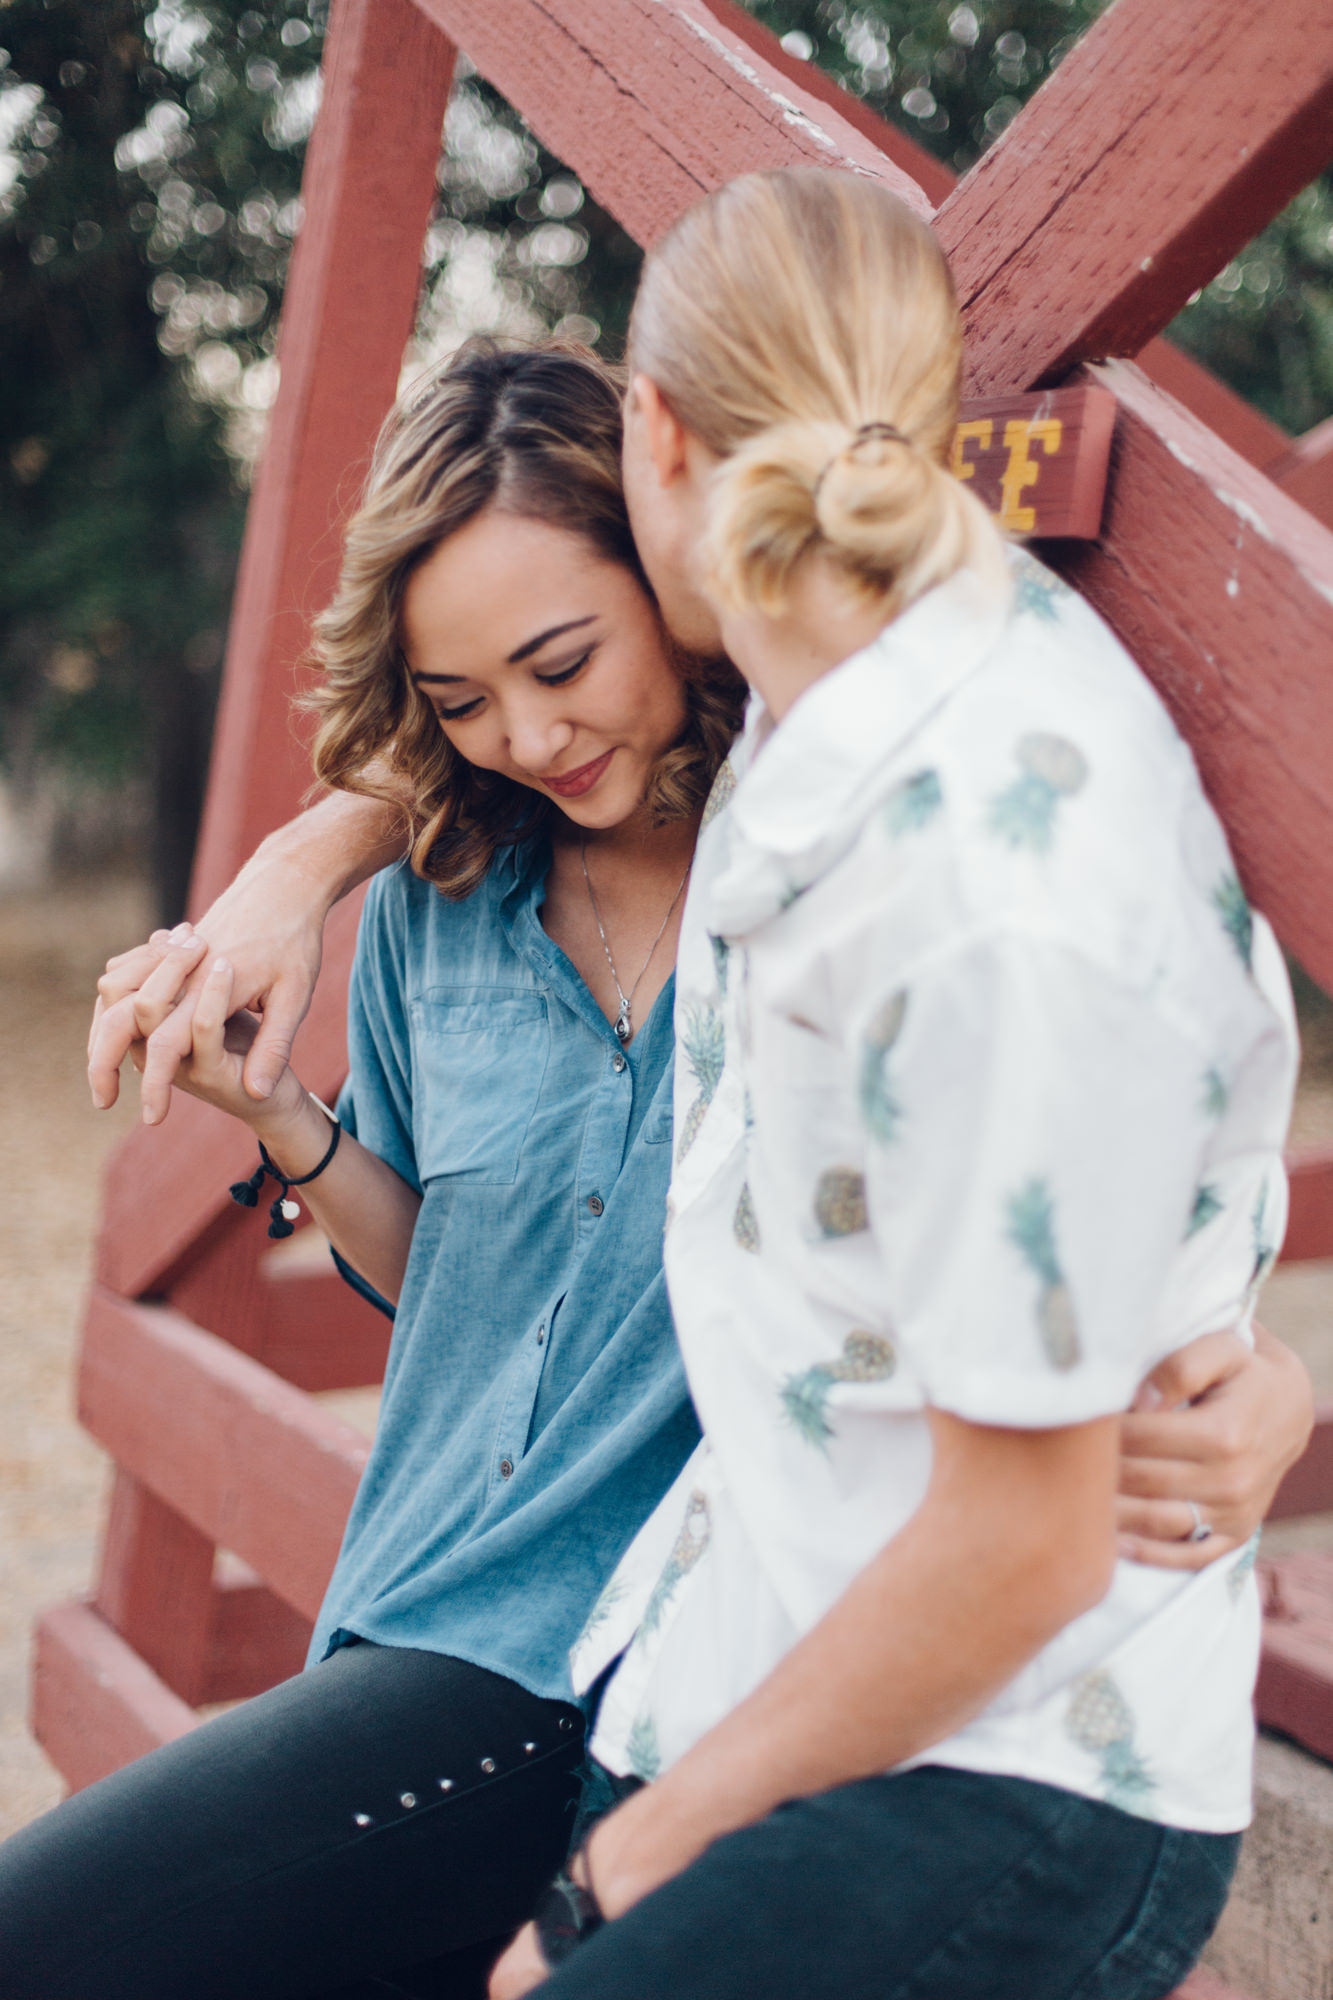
1207,397
1204,1985
1222,588
156,1586
255,1640
1165,139
1310,1219
1308,1487
368,189
1039,462
167,1185
1295,1687
652,102
934,179
319,1334
253,1463
1306,472
95,1705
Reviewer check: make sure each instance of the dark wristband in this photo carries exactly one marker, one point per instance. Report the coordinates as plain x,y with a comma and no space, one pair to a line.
566,1914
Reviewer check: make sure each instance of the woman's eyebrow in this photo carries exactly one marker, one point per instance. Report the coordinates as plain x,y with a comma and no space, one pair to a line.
523,652
531,646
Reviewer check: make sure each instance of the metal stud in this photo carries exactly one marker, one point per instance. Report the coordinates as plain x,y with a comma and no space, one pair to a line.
488,1765
408,1799
445,1784
361,1819
528,1749
565,1725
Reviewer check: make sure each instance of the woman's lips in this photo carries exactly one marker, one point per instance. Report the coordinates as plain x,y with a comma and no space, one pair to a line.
574,783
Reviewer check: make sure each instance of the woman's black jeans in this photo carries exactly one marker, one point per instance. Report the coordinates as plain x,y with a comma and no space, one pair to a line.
930,1884
377,1826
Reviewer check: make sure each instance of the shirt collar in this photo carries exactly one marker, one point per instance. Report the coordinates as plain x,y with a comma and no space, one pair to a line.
810,779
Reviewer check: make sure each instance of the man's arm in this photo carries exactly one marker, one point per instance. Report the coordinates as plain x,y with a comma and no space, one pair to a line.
269,923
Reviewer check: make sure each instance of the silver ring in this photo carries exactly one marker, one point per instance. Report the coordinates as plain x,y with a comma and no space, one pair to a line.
1201,1530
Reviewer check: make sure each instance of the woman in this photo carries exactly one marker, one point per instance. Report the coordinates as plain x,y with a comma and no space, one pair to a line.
1005,1070
274,904
500,1175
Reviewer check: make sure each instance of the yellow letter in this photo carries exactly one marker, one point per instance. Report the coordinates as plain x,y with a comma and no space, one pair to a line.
980,428
1021,471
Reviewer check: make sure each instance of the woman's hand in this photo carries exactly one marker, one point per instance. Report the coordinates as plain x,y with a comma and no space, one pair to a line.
270,924
520,1969
1216,1425
212,1068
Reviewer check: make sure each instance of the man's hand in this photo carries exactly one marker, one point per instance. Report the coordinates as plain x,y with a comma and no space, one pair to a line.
1216,1425
269,924
521,1968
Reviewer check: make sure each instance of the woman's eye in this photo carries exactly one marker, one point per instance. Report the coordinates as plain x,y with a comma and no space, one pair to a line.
457,714
566,673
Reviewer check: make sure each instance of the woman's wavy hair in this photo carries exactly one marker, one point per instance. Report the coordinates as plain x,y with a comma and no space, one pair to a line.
532,431
802,323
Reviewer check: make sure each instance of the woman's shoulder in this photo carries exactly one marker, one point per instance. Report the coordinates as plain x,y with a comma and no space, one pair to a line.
408,916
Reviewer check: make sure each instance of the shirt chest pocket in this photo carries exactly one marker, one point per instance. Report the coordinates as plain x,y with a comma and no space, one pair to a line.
478,1062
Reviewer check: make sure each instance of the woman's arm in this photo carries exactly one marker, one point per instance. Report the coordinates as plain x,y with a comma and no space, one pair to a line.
367,1211
269,923
1014,1539
1218,1425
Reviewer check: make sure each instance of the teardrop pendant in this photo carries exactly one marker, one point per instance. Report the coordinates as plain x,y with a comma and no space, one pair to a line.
621,1024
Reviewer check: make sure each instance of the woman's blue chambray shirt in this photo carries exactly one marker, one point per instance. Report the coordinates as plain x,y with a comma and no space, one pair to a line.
535,1408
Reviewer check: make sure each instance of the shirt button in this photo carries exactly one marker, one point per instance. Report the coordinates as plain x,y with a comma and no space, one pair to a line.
596,1204
506,1467
617,1062
541,1333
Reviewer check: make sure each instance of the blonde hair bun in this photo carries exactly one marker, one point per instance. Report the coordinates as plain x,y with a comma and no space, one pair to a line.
802,324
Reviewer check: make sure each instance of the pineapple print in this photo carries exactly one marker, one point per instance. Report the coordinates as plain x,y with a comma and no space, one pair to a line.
865,1357
601,1611
1265,1250
879,1107
1038,592
721,953
1237,921
840,1202
744,1224
686,1550
1031,1230
1053,769
1207,1204
645,1758
724,784
1101,1722
913,803
1216,1096
704,1040
1240,1572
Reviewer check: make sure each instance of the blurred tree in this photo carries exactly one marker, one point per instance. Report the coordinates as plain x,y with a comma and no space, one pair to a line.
150,161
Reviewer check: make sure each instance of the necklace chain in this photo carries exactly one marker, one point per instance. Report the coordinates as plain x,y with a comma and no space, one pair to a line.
621,1025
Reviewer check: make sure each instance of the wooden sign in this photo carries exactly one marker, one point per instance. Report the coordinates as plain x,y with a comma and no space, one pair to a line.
1038,461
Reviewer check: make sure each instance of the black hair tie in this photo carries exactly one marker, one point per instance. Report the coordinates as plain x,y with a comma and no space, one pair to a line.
282,1212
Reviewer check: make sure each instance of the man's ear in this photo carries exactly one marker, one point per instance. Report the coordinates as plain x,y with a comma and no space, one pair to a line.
663,432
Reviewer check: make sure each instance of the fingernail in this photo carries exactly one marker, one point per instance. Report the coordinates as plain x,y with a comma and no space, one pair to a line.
181,935
99,1101
219,968
264,1086
1151,1396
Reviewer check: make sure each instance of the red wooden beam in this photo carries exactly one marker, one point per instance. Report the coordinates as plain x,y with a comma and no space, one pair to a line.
1310,1216
251,1462
1222,588
156,1586
1305,472
1207,397
652,102
254,1639
1295,1687
95,1704
368,189
1165,139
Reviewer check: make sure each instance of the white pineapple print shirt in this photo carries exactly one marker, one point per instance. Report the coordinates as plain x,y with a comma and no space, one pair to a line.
984,1072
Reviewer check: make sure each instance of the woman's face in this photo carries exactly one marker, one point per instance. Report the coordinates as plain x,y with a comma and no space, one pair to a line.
546,662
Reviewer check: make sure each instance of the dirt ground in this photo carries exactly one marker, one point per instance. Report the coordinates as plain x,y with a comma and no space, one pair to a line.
52,1149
